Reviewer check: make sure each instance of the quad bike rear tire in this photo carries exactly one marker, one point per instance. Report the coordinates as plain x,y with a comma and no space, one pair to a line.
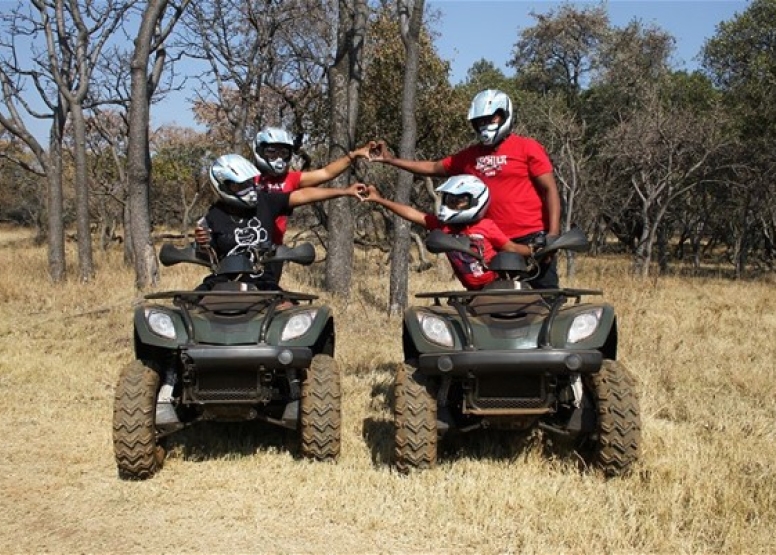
415,421
320,410
614,447
138,453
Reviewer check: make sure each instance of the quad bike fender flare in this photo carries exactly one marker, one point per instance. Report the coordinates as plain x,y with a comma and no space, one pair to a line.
513,363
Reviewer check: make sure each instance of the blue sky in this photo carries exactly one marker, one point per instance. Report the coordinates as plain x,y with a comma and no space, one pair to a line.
475,29
471,30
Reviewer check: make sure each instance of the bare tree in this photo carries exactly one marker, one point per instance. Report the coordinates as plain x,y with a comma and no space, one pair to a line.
20,25
411,23
152,34
662,150
345,76
72,57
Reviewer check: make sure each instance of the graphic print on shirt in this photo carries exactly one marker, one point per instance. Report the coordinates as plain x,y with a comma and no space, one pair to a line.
253,234
490,164
271,186
466,264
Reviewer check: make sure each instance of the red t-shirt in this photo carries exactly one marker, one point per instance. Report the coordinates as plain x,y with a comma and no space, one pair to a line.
485,236
508,170
280,184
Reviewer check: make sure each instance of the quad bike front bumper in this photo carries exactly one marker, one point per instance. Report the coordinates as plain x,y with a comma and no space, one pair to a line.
515,363
239,374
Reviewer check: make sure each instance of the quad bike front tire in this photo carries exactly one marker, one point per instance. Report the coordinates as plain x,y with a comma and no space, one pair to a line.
614,446
320,410
138,453
415,421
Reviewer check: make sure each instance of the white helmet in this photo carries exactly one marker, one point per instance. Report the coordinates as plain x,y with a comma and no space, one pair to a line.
273,160
465,200
233,179
485,104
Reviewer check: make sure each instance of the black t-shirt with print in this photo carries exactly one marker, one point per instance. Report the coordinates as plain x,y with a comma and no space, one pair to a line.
235,230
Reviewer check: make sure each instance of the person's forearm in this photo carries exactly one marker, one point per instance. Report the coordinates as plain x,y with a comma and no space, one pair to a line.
315,194
403,211
327,173
418,167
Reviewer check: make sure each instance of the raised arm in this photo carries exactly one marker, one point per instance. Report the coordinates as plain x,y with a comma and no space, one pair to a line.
430,168
317,194
313,178
402,210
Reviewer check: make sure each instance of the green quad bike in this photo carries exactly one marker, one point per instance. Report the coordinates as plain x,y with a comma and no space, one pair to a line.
514,358
232,353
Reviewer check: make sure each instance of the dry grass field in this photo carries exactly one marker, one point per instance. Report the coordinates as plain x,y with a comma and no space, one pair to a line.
703,350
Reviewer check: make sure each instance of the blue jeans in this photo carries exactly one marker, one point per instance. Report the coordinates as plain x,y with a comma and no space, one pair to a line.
548,270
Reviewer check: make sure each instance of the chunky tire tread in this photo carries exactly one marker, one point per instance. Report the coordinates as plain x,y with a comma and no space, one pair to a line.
616,445
415,422
320,410
138,455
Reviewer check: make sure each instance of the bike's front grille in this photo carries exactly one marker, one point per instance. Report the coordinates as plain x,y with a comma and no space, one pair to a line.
225,385
494,392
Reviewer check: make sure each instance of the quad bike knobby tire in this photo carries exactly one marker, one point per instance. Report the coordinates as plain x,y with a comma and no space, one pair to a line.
615,445
138,455
320,410
415,421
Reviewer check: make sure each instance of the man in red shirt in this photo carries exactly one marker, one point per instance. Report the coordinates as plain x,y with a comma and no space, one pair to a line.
525,202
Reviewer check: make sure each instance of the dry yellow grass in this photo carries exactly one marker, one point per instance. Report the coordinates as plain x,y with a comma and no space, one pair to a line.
703,351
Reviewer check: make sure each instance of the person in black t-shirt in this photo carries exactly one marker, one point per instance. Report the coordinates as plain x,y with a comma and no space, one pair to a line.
243,217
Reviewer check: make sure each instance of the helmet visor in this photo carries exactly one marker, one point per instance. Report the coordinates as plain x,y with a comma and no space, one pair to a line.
238,188
273,152
457,202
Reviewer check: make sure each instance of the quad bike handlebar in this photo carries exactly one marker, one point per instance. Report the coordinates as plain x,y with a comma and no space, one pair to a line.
246,262
508,263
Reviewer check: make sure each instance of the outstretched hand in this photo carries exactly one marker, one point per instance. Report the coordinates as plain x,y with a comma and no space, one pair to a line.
364,151
367,193
357,190
379,151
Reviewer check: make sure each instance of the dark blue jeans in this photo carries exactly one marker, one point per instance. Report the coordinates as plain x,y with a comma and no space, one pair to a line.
548,270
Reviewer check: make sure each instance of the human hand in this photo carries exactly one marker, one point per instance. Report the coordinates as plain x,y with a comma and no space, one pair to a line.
379,151
357,190
202,236
363,151
371,193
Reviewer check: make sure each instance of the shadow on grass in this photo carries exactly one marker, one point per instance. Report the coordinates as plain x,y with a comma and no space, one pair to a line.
214,440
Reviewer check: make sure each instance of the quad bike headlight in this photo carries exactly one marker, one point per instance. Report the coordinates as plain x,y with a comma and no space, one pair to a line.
160,323
298,325
584,325
435,329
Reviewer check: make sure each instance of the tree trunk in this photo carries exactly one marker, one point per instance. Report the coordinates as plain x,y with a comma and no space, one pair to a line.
55,212
56,219
411,19
85,261
138,153
345,76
